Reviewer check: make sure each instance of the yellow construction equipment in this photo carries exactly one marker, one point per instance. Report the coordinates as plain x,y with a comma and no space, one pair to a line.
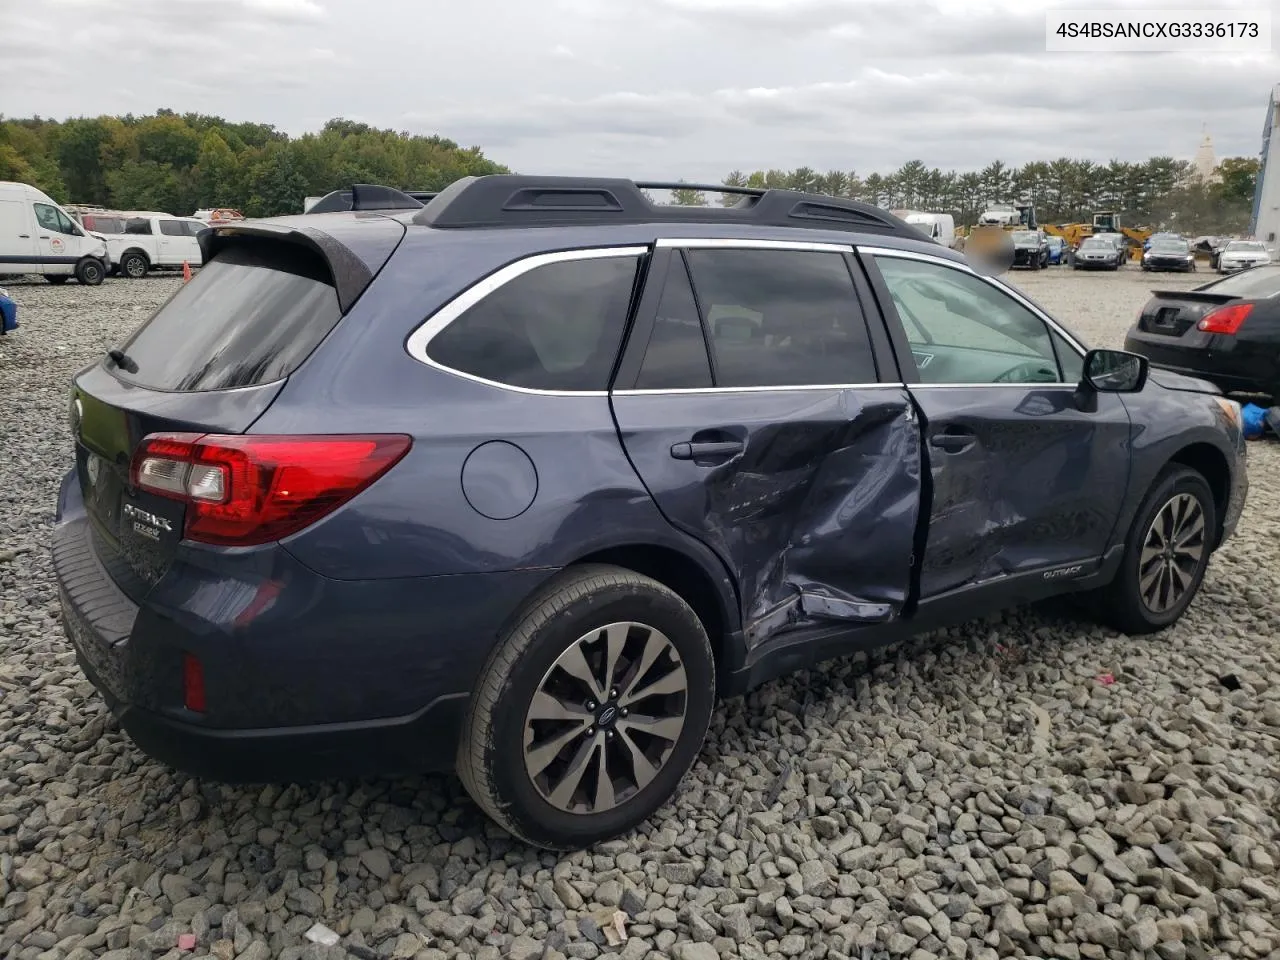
1104,221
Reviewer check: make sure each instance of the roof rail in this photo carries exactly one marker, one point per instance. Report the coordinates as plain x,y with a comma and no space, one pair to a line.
368,196
512,200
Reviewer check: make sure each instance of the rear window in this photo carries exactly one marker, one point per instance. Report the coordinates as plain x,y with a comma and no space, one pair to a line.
250,316
1258,282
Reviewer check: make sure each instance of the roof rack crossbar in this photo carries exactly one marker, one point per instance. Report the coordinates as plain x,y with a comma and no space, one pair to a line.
372,196
507,200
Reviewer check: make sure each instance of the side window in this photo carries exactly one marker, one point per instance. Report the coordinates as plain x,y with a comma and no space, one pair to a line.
193,229
780,318
51,218
556,327
1071,362
676,357
964,330
138,226
173,228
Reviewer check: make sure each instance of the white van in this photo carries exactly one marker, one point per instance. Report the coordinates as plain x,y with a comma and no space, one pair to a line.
940,227
141,240
38,237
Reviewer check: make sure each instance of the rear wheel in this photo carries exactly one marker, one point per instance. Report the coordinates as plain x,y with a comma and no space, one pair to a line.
590,711
90,272
1165,556
134,265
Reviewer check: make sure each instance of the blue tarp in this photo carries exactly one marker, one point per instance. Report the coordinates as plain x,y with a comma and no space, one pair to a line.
8,314
1255,420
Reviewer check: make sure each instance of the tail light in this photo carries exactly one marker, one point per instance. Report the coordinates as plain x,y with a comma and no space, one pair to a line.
245,490
1225,319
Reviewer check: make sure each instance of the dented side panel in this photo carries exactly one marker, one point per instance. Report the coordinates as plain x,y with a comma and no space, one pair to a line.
815,515
1040,484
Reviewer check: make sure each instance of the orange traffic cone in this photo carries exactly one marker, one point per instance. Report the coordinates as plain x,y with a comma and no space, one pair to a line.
186,271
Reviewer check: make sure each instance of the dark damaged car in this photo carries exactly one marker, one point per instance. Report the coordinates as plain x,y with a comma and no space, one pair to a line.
517,482
1030,249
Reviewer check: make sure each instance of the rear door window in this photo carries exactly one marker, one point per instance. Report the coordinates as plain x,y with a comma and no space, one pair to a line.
138,226
173,228
778,318
249,317
555,327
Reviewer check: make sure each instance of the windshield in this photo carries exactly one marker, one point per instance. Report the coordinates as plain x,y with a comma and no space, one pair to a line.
1250,284
1246,246
1025,236
1169,245
1091,243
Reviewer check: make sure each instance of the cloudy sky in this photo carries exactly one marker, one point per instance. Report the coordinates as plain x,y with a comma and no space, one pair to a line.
648,88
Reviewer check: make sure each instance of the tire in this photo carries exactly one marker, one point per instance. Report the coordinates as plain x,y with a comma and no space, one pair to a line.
90,272
134,265
565,614
1121,602
58,280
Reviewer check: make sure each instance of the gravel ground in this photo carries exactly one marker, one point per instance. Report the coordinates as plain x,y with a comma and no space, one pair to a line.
981,794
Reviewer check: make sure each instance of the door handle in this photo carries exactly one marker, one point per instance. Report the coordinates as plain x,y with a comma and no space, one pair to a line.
24,236
953,442
699,451
44,236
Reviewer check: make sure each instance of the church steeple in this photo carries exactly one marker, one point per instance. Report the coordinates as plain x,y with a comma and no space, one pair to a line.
1205,161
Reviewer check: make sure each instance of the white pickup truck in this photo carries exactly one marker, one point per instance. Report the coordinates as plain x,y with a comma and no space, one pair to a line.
140,241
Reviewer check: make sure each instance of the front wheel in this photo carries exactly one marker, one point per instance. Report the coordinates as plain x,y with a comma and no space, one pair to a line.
90,272
590,711
1165,556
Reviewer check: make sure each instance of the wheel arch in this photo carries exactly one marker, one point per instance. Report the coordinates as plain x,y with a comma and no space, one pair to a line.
689,578
139,251
1208,461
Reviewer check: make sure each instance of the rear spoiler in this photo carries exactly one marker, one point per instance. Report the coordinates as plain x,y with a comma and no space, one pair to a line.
1196,296
352,266
367,196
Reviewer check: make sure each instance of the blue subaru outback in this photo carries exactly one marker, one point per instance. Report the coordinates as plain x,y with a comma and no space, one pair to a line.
517,481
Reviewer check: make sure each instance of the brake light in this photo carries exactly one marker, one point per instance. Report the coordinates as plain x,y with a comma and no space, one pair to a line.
246,490
1225,319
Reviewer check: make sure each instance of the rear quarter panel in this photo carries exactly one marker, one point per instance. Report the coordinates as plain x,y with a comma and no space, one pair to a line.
417,521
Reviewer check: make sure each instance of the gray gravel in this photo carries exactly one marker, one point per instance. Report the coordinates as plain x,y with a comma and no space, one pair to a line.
981,794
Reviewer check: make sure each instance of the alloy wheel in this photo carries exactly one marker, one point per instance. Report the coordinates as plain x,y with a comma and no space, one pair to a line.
1171,553
605,718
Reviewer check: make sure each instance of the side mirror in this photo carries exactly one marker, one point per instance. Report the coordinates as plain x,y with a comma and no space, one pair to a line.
1115,371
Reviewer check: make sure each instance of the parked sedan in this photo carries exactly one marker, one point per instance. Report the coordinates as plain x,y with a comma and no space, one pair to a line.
1057,249
1096,253
1169,253
1226,331
1030,249
1243,254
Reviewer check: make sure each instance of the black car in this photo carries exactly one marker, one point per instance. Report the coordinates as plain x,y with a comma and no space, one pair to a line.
1226,331
1030,249
1169,253
515,483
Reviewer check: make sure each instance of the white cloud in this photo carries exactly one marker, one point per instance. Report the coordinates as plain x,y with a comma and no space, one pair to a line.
685,88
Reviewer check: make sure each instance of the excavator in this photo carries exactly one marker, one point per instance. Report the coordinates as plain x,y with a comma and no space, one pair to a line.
1104,221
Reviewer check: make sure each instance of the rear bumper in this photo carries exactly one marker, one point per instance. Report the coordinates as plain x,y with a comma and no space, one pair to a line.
305,677
1206,359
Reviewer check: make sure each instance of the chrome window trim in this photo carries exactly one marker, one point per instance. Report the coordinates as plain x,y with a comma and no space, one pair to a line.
420,338
785,389
1003,288
745,243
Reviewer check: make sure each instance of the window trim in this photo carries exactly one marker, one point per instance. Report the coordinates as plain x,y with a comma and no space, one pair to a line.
417,342
675,244
998,285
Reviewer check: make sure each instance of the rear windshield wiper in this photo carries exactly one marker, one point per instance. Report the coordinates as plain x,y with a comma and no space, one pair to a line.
122,360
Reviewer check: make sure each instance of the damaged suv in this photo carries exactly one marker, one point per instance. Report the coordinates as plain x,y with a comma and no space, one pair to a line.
518,481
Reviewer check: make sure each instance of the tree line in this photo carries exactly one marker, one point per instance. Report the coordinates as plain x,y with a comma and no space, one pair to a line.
1162,193
180,163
